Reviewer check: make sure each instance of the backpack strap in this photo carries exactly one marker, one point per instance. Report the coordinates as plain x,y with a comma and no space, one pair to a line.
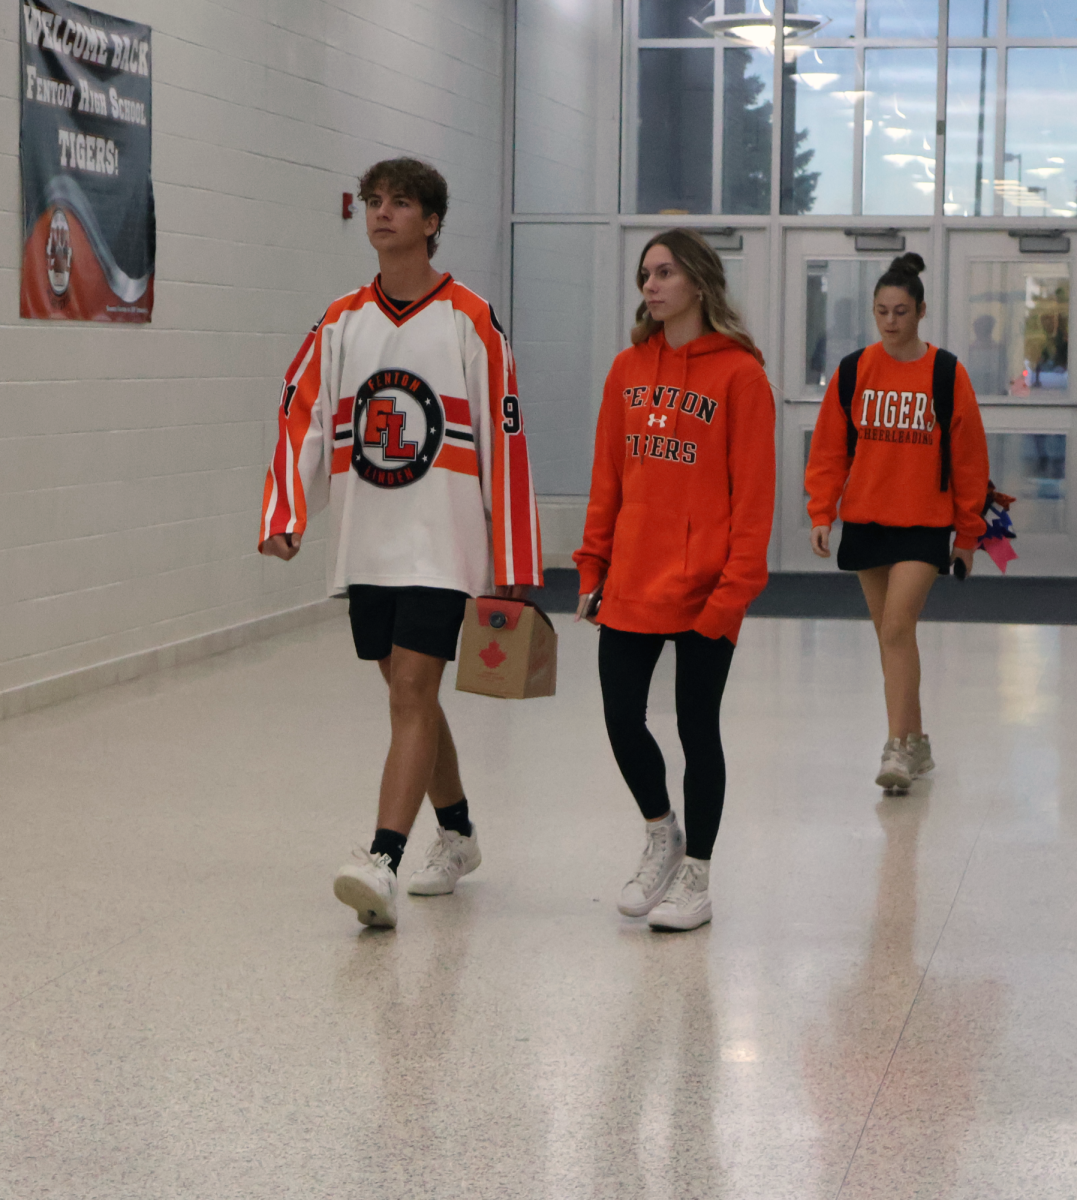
846,393
942,388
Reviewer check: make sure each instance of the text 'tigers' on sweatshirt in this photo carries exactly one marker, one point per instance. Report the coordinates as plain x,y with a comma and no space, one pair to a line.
682,488
893,479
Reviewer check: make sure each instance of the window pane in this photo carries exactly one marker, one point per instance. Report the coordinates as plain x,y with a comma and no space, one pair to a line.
842,14
553,283
557,100
817,132
899,131
1032,468
970,133
974,18
676,123
1019,329
903,18
670,18
747,113
839,314
1042,18
1041,133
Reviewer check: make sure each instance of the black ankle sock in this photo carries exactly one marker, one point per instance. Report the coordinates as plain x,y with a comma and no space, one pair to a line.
388,841
455,817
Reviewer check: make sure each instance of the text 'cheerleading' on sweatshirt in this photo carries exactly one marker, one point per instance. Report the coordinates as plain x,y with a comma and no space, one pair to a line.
407,422
682,488
893,479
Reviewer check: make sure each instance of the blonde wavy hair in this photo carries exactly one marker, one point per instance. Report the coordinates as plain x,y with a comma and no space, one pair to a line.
700,262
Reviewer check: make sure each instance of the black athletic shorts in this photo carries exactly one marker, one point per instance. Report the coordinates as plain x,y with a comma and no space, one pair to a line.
864,546
424,619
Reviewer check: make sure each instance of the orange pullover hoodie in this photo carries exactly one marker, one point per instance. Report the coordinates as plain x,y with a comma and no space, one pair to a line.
682,488
893,479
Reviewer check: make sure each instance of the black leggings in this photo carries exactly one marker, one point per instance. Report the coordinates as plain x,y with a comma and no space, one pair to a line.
626,662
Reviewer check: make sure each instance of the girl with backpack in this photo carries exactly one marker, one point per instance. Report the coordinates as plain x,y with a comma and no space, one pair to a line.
899,450
675,549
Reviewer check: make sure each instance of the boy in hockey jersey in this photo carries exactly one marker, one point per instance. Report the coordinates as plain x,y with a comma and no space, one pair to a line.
400,412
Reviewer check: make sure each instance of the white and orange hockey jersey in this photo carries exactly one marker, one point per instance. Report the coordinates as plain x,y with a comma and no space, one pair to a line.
407,422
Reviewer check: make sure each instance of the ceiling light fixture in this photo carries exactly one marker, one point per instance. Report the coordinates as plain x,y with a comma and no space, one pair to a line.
758,30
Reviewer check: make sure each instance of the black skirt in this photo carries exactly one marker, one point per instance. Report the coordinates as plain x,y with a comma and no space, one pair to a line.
871,545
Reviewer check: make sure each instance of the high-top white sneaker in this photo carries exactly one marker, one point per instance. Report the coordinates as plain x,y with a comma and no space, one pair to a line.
920,760
449,856
687,904
661,857
369,886
894,773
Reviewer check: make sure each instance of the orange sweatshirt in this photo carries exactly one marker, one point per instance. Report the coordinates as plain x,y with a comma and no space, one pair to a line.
682,488
893,479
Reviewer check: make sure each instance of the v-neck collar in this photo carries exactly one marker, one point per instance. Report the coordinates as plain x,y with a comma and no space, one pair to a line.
399,315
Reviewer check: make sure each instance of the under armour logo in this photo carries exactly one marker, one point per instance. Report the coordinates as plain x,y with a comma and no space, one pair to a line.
655,419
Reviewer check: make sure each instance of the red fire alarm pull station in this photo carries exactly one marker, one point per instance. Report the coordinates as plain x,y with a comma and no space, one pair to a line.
349,206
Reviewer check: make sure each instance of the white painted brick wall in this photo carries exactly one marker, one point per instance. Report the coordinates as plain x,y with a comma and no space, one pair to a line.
132,458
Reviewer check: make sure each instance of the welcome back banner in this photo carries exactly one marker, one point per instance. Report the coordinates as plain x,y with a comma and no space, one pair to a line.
88,217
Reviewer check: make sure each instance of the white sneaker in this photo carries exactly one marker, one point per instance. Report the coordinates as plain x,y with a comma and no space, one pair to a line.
687,904
369,887
895,773
661,857
920,760
449,857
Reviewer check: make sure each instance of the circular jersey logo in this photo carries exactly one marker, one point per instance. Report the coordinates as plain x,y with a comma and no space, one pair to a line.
398,428
58,253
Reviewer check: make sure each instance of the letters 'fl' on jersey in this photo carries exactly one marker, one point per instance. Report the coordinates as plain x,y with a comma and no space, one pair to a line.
407,423
894,476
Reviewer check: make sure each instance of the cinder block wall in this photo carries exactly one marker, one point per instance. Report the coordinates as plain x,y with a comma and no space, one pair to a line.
132,458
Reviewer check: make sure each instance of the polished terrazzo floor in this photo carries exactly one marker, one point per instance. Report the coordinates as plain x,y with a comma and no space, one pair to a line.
884,1006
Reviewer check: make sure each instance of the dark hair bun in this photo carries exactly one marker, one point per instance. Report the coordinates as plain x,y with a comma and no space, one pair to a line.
907,264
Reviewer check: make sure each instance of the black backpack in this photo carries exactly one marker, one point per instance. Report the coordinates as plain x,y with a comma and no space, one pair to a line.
942,387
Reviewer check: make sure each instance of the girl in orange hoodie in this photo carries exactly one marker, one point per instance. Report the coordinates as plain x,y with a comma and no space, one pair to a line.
898,501
675,549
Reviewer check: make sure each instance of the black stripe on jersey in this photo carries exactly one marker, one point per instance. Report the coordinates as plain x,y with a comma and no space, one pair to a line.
460,437
344,434
400,315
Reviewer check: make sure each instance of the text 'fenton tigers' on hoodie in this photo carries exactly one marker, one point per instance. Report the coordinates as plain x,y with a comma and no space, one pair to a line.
682,488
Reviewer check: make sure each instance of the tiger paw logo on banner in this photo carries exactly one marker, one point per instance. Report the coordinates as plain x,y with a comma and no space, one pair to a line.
58,253
398,427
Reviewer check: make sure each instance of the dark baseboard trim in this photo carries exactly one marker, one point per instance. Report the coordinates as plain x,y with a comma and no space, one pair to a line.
1031,600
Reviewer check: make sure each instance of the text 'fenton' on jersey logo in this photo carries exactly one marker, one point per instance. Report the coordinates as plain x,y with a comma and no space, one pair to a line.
398,427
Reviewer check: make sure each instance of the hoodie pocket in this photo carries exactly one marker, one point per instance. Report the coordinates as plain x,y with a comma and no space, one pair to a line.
649,557
708,553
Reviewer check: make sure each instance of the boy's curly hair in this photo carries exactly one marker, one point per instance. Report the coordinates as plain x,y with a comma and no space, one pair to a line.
418,181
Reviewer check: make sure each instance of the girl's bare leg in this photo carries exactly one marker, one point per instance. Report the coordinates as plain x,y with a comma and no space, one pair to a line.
896,595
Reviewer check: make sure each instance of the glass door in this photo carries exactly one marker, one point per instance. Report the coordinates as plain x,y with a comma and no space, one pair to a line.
828,287
1008,322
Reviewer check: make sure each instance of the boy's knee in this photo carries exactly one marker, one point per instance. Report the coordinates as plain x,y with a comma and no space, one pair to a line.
411,694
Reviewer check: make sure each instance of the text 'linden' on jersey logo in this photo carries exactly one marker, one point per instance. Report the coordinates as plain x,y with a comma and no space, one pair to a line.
398,427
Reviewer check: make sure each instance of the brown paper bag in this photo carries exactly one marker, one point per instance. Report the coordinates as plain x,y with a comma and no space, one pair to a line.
508,648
